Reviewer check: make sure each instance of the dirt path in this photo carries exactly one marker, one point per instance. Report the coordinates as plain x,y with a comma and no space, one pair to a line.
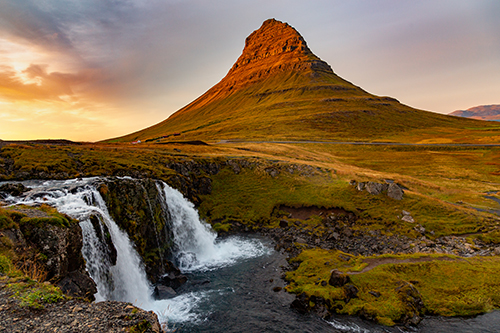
374,262
371,143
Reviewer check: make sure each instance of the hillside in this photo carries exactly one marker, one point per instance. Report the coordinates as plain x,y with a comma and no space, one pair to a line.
482,112
279,90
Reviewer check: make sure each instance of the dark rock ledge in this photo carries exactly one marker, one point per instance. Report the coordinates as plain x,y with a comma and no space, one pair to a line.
74,316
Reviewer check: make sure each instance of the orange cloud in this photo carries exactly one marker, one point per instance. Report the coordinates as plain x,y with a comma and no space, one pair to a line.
36,83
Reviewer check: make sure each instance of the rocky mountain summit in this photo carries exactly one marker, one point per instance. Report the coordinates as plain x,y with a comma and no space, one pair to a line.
278,88
276,46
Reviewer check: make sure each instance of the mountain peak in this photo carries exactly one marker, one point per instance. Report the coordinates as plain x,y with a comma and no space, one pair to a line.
275,46
273,39
278,89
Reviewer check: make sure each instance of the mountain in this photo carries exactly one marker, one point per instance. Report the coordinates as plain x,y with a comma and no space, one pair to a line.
482,112
279,90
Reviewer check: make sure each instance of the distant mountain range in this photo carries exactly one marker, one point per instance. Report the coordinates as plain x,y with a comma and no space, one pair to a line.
482,112
279,90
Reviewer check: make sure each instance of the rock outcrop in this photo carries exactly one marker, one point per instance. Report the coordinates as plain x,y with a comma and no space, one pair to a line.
50,252
74,316
392,189
275,46
136,206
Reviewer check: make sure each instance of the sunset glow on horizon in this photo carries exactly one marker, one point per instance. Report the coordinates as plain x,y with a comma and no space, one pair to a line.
93,70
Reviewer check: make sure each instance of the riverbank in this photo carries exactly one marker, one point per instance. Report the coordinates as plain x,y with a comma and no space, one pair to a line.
72,316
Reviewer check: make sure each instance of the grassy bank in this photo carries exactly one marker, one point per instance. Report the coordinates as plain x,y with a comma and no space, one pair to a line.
445,189
448,285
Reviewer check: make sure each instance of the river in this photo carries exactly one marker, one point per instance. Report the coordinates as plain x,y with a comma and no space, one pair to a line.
233,281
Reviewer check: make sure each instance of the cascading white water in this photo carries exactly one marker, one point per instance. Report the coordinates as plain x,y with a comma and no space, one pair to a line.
197,248
125,281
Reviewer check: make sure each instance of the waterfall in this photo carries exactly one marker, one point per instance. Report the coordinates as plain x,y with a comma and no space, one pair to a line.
196,247
125,281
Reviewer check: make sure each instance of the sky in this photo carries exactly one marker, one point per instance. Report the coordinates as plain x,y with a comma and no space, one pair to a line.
89,70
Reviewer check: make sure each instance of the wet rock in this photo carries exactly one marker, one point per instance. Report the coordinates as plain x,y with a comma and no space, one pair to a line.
338,279
164,292
173,281
136,205
103,234
283,223
301,303
14,190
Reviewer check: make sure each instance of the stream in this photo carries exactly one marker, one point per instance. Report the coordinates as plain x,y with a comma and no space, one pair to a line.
234,283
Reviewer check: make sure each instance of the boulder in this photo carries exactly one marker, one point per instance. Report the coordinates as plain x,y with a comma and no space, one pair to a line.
301,303
61,246
408,218
338,279
395,192
78,284
273,172
14,190
350,292
283,223
412,301
374,188
164,292
173,280
360,187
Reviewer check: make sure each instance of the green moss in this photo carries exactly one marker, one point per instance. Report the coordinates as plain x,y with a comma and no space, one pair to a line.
33,294
5,264
40,221
490,237
221,227
6,222
141,327
452,287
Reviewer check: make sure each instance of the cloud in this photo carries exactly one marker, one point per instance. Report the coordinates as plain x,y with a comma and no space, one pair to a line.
36,83
142,60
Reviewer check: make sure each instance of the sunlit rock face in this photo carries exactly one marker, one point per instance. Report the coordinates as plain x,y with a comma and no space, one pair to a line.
276,46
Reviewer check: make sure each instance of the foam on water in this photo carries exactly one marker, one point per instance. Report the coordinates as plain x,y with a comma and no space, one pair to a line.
196,246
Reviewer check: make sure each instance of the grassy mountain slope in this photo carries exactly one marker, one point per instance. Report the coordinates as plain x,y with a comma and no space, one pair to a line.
279,90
